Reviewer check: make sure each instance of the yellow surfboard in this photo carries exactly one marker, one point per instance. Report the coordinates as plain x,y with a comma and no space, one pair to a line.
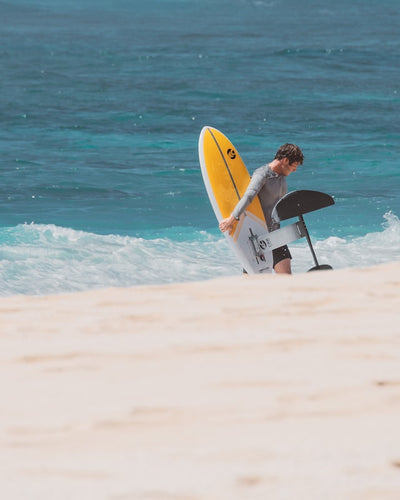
226,179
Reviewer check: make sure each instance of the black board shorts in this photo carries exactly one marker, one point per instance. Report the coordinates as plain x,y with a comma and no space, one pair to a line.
281,253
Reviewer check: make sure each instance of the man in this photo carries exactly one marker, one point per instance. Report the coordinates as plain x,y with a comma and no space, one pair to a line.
269,183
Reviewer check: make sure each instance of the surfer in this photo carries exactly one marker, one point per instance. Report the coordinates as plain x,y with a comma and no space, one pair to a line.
269,183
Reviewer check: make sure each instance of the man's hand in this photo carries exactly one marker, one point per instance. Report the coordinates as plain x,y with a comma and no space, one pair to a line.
227,224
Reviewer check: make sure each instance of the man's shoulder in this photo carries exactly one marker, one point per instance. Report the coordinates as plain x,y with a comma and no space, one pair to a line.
263,171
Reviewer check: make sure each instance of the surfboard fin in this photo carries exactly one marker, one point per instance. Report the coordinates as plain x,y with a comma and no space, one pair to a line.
300,202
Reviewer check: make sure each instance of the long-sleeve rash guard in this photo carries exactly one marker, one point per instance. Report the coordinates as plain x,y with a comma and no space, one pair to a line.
269,186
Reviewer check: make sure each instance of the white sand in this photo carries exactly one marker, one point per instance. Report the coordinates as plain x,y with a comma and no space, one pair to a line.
247,388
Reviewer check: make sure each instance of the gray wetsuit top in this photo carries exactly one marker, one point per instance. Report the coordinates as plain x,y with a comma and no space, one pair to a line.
270,187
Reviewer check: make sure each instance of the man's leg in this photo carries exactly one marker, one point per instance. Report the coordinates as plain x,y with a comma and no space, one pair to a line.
283,267
282,259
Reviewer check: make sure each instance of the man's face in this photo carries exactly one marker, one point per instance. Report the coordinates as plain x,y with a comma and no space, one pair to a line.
288,168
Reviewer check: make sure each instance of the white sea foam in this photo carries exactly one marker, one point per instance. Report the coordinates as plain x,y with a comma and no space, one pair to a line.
371,249
46,259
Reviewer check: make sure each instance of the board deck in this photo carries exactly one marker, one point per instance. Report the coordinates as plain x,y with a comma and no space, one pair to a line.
226,179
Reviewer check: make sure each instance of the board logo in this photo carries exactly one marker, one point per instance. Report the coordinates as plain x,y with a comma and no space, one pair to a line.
231,153
264,244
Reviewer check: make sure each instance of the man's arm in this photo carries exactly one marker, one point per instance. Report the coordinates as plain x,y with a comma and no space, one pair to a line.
255,184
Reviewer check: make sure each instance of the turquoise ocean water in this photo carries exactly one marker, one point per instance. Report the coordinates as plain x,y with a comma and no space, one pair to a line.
102,103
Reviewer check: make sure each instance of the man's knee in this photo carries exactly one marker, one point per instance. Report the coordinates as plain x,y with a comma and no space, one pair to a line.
283,267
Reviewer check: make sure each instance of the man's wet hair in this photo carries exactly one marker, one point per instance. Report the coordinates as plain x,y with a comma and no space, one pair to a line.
290,151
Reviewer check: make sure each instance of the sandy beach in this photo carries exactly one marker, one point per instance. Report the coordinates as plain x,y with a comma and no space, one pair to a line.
250,387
